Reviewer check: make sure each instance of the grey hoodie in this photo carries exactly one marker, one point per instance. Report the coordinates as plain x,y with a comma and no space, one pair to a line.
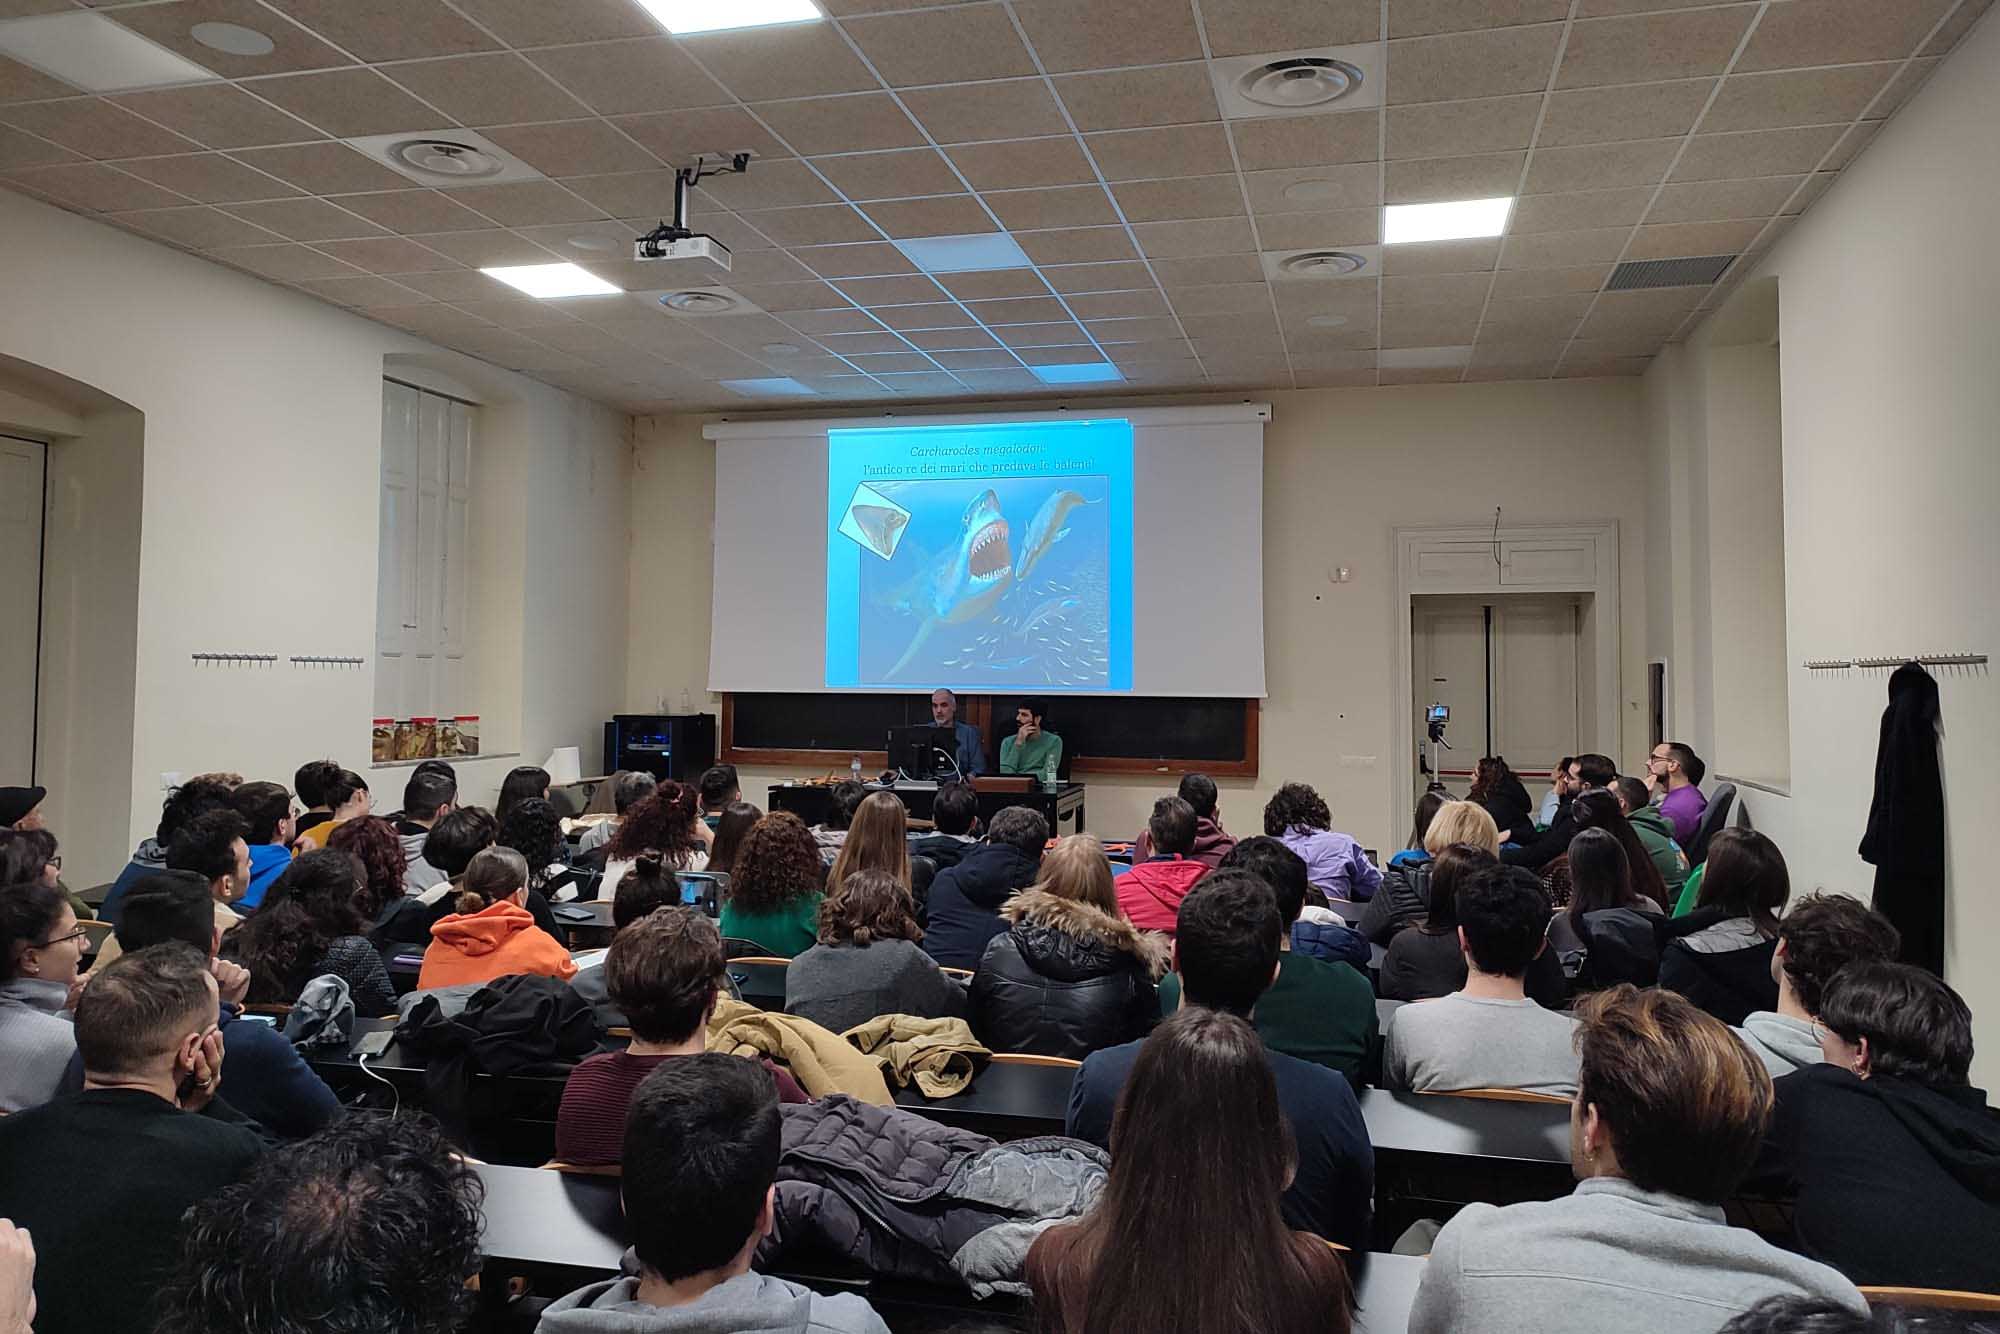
747,1304
1783,1044
418,874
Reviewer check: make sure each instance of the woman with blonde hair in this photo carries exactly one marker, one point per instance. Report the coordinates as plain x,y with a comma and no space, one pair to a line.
878,839
1405,896
1070,975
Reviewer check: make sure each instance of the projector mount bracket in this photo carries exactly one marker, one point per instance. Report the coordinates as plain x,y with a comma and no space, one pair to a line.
685,178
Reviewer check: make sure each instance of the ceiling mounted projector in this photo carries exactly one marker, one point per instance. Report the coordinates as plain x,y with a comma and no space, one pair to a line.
674,240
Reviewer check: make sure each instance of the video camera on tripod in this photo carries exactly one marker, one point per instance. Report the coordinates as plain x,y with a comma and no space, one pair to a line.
1435,718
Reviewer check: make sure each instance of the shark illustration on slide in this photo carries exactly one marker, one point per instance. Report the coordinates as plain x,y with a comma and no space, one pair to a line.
1045,531
968,579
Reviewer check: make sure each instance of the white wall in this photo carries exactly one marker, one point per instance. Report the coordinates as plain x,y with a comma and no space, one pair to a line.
1342,470
257,532
1887,296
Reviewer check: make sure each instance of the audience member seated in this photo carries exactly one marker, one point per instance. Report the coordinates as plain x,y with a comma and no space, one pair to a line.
312,924
1320,932
965,900
1488,1034
1665,1125
776,887
1426,962
1719,955
718,788
373,842
1553,800
1822,934
878,839
1188,1234
1413,853
185,802
428,797
267,1080
372,1224
1599,808
347,798
648,885
1150,893
533,829
868,961
522,783
1814,1315
1498,791
1893,1155
1226,955
17,1279
34,855
1655,835
1032,749
954,812
737,818
697,1190
458,836
266,809
1585,771
1674,773
21,808
311,781
212,846
490,932
1069,975
1607,933
664,973
629,787
1405,896
669,823
41,947
1335,863
1211,842
101,1178
1316,1010
844,798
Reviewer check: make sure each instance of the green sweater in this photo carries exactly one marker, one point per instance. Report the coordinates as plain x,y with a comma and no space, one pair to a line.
1657,838
1316,1011
789,930
1039,757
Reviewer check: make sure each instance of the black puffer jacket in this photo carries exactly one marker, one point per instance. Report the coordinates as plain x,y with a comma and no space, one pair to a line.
1403,900
1066,979
964,906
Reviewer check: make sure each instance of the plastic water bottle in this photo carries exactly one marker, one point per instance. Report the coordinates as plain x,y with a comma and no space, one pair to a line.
854,769
687,702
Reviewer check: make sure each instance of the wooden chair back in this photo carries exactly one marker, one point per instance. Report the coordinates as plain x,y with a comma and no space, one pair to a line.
1029,1058
1935,1299
771,959
1498,1095
965,973
582,1169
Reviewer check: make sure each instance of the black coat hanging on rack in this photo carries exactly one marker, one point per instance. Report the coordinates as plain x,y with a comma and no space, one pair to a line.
1905,837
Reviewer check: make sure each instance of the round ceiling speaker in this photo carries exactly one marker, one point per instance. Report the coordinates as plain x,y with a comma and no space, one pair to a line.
1326,321
1322,264
232,39
1306,81
442,157
697,303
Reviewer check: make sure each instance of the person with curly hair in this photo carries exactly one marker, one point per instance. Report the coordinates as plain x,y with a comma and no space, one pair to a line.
373,842
312,923
776,887
868,961
668,822
1497,788
532,828
375,1217
1298,817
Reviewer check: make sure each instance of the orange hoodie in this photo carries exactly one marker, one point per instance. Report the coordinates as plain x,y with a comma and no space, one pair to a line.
498,941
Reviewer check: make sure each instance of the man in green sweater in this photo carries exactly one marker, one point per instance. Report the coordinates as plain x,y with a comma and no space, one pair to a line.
1656,836
1031,750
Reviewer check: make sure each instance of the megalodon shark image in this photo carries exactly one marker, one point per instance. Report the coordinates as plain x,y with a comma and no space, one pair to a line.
967,581
1045,531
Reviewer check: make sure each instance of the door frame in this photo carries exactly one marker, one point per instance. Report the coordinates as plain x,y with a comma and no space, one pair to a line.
1595,572
41,600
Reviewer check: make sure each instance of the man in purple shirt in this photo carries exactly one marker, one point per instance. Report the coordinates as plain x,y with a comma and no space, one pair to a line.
1677,771
1298,817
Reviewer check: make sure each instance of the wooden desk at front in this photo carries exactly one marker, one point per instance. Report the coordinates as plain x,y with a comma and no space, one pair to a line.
566,1231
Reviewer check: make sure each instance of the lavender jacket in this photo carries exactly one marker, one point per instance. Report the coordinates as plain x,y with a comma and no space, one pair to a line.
1335,863
1683,807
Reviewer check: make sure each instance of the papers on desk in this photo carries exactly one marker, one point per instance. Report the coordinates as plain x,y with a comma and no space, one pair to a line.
587,959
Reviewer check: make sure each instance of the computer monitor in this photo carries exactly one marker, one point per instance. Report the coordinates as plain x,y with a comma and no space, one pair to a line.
923,751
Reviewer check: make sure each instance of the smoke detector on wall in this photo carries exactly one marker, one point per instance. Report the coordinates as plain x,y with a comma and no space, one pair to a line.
446,159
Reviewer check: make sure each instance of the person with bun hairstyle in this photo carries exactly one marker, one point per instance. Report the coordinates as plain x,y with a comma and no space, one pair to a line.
491,933
668,822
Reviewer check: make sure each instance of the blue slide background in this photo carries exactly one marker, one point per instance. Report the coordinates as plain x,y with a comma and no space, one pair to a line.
1058,619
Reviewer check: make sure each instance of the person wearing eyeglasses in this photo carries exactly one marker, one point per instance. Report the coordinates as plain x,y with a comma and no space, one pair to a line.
41,949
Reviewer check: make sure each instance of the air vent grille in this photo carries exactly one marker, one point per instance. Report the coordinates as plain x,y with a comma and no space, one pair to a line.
1702,271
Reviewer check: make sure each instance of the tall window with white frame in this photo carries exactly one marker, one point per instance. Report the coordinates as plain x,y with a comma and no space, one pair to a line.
421,669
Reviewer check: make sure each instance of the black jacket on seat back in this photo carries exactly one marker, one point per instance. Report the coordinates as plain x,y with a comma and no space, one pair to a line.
1066,979
964,907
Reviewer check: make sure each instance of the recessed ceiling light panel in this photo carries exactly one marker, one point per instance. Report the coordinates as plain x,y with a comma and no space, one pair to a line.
776,386
232,39
548,281
1296,83
681,17
95,54
1458,220
1087,372
1422,358
964,254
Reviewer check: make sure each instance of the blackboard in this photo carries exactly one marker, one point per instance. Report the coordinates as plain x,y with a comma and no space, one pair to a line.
1118,731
